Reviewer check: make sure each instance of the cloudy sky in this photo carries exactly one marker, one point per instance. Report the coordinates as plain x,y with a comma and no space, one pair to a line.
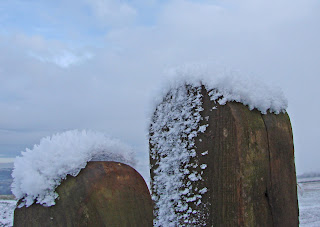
93,64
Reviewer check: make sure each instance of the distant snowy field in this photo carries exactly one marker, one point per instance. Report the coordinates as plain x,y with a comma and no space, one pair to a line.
309,205
309,202
6,212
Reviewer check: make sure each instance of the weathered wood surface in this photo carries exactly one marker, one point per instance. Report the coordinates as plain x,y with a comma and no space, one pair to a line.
103,194
283,191
250,172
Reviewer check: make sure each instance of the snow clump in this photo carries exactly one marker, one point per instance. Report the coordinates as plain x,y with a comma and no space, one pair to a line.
39,171
228,84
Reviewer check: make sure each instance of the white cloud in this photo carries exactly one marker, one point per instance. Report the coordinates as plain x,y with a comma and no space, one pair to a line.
62,58
47,51
112,12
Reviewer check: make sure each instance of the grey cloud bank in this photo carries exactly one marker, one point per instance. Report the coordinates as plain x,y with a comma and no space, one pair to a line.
100,75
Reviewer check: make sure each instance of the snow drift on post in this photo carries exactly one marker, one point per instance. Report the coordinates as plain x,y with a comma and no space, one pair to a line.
39,171
229,84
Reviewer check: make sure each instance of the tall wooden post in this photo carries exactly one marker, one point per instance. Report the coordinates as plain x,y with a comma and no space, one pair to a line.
250,177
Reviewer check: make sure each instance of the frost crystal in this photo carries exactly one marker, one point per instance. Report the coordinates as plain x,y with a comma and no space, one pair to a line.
203,166
38,172
205,153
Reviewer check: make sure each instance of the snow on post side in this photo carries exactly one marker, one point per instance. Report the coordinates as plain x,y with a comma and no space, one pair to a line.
39,171
174,126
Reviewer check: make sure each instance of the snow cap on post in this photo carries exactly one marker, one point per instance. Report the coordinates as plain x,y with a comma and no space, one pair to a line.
39,171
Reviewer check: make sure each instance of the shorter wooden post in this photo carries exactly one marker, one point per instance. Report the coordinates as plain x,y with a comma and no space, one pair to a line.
103,194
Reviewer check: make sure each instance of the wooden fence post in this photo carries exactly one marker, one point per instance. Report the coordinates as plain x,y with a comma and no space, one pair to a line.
249,176
102,194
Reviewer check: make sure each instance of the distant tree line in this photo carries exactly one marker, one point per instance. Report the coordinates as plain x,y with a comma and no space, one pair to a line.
309,175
